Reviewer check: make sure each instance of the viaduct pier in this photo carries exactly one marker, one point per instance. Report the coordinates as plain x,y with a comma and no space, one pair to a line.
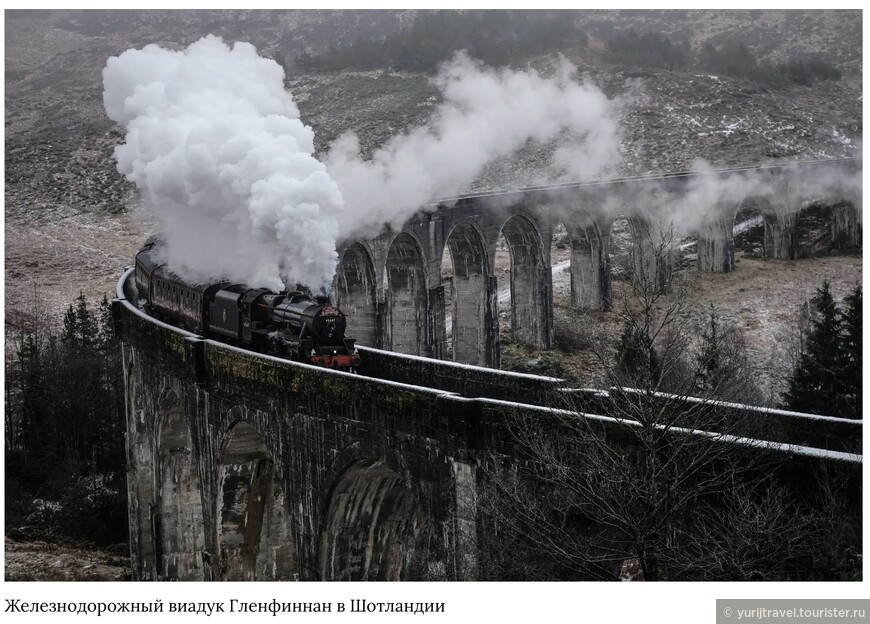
391,286
243,466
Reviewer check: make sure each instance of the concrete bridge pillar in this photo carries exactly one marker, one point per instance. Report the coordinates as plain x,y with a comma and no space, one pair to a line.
165,483
845,226
590,265
374,528
531,284
847,217
140,470
781,236
492,341
475,299
438,321
786,193
650,256
716,245
406,309
177,512
255,536
470,307
355,292
463,540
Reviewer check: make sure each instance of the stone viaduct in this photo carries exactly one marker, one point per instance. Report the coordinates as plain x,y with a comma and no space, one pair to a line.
244,466
391,286
248,467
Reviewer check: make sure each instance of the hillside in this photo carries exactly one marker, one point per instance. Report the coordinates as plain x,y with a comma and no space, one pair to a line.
72,222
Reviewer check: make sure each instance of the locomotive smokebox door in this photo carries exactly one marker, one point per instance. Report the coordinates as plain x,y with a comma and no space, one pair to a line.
329,324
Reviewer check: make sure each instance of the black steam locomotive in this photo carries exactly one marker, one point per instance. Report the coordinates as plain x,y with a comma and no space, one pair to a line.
287,324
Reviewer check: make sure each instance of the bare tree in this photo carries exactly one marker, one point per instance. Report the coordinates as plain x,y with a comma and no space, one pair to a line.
637,489
754,533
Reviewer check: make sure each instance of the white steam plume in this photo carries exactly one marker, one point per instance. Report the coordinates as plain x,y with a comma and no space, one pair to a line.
484,115
217,147
711,199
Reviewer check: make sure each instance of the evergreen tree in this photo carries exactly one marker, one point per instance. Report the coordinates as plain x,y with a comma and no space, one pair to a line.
710,365
79,324
105,325
722,368
65,423
636,358
816,385
32,395
850,355
493,36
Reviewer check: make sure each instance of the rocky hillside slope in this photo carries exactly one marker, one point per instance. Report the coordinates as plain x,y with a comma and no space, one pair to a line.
68,215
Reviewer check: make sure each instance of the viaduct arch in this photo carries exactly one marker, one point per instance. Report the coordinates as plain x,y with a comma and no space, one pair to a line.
409,310
244,466
249,467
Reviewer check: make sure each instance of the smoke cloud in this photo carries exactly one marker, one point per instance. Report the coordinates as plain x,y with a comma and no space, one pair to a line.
485,114
710,200
217,148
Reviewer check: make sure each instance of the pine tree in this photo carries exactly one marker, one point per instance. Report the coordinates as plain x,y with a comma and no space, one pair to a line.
64,423
709,371
70,325
636,358
105,325
850,355
722,368
816,385
32,392
79,325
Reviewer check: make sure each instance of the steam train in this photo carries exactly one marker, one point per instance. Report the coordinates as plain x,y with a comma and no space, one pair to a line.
287,324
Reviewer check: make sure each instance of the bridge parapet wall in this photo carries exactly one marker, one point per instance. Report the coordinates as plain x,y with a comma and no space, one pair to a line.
286,468
177,350
468,381
822,432
797,464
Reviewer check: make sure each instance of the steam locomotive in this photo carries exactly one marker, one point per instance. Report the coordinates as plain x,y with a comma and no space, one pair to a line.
287,324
